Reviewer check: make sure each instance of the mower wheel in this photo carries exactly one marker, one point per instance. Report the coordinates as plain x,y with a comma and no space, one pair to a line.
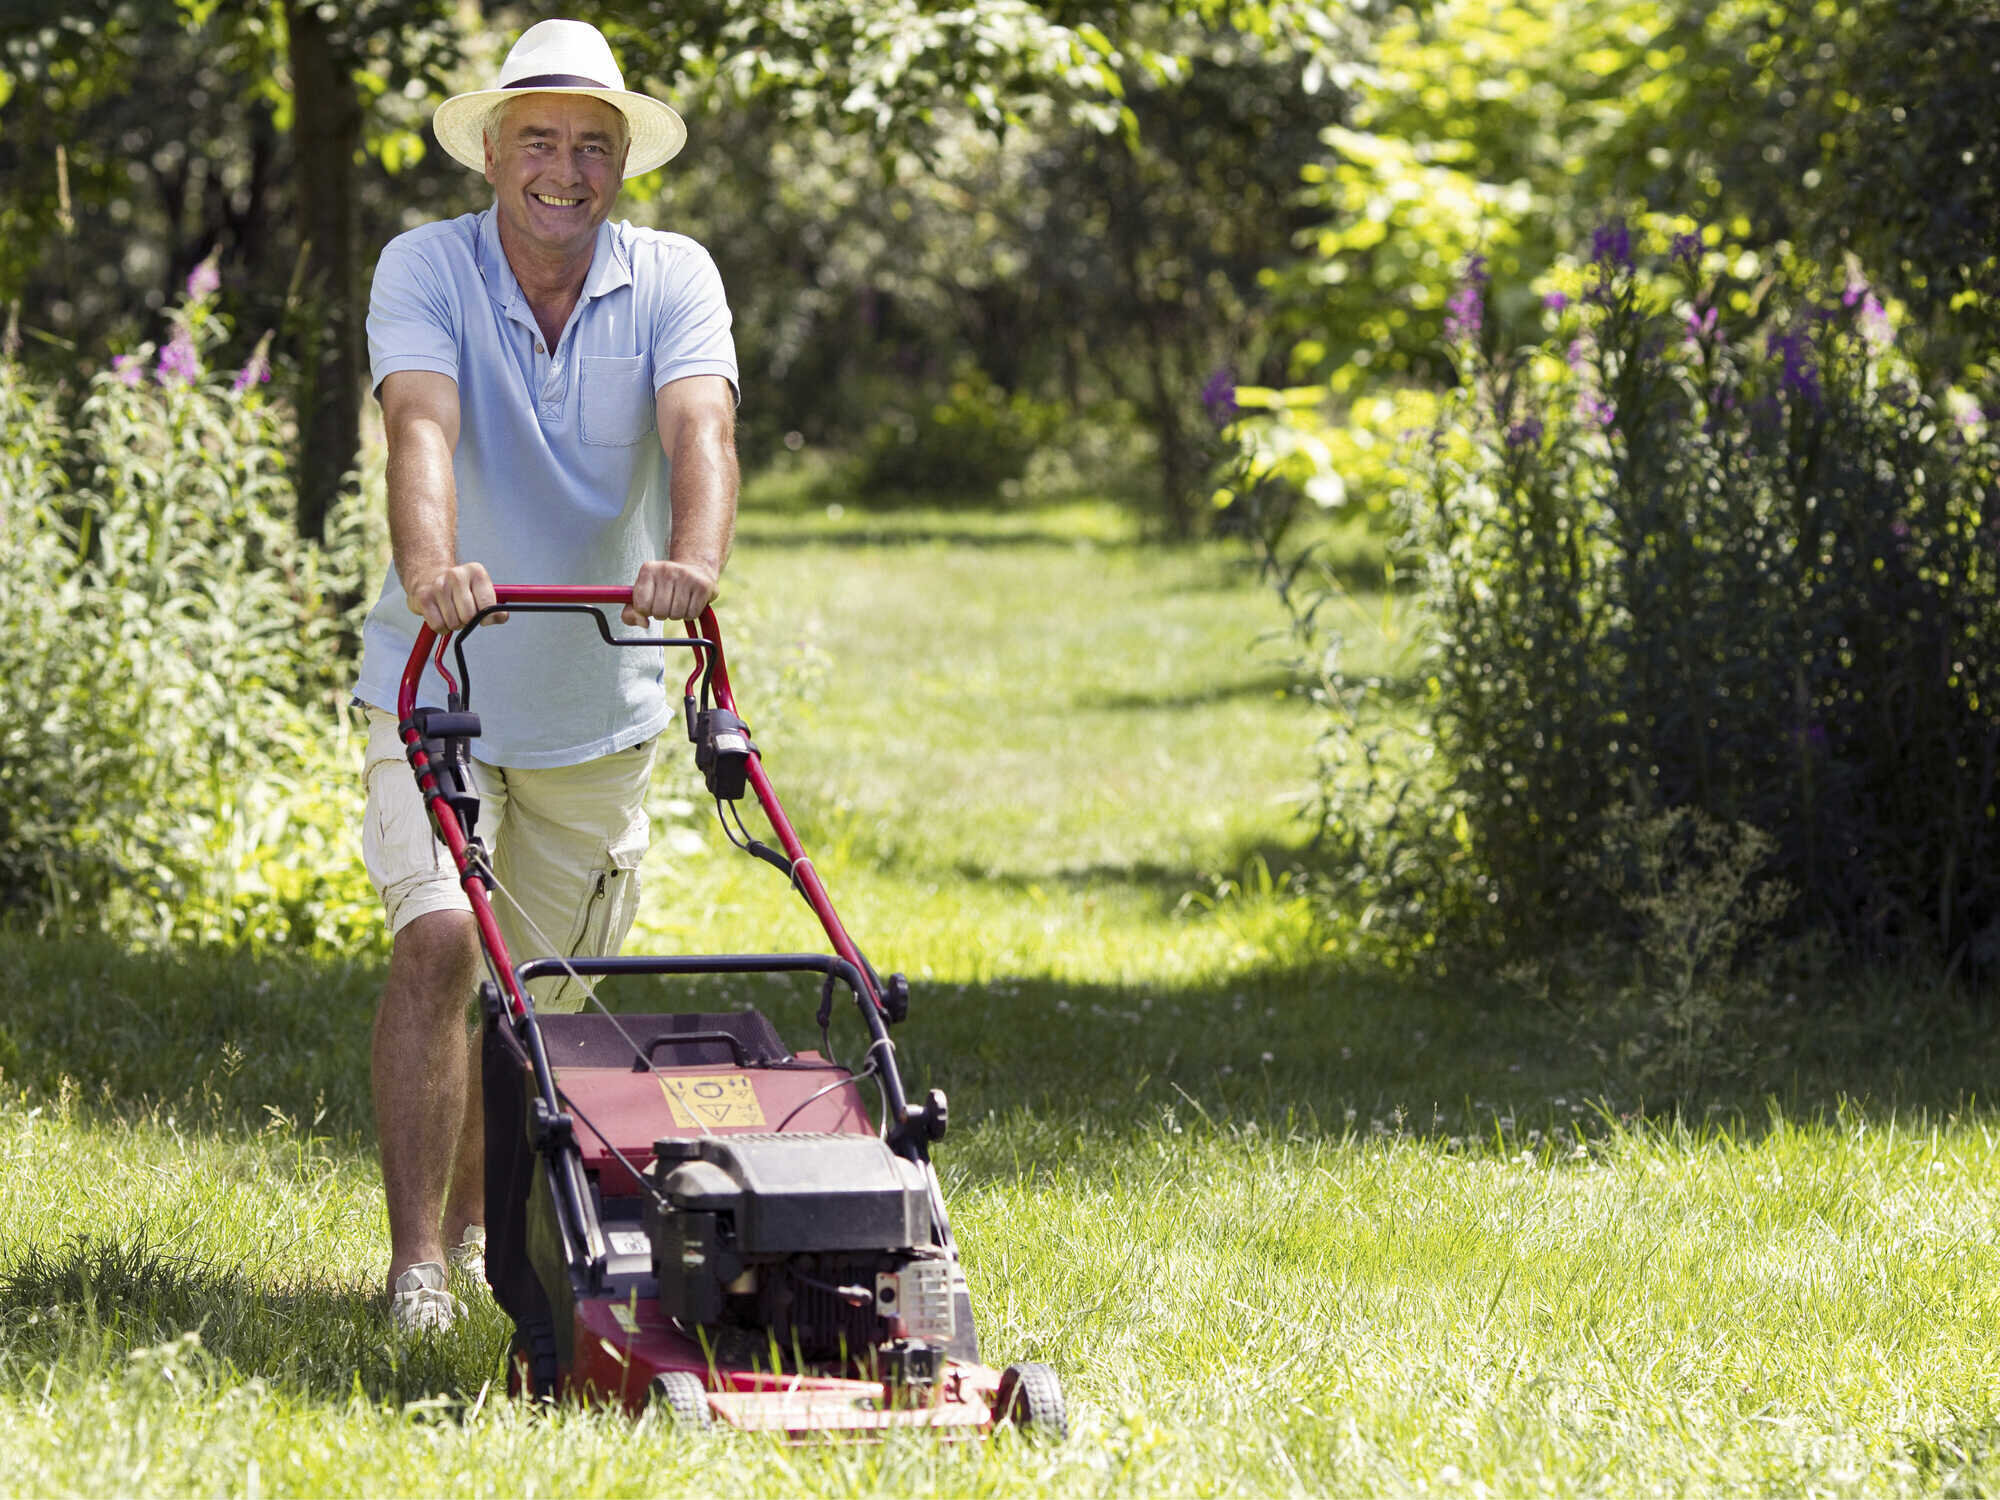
1030,1397
531,1364
683,1397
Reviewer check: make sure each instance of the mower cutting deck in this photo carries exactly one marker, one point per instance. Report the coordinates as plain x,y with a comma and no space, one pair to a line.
680,1209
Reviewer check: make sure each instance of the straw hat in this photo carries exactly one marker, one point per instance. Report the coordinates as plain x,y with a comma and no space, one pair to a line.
561,57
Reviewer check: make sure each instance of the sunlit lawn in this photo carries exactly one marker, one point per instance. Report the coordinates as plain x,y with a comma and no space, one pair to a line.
1282,1226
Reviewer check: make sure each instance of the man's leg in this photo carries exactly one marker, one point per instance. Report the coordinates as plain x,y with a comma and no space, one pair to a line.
465,1204
424,1090
425,1068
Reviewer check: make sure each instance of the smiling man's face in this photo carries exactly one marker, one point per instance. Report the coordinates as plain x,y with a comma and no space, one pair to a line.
556,161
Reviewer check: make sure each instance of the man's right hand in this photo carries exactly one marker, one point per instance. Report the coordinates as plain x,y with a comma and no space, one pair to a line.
449,597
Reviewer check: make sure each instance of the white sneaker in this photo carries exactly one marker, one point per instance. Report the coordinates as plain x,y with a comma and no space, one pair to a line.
468,1256
420,1304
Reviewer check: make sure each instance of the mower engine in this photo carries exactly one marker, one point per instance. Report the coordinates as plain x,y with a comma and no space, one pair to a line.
820,1242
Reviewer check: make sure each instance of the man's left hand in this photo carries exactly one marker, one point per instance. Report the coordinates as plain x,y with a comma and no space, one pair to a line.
670,591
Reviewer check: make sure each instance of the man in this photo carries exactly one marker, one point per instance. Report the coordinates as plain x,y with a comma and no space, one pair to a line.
525,358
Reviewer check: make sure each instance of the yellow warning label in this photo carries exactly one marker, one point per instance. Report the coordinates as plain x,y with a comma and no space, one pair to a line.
719,1100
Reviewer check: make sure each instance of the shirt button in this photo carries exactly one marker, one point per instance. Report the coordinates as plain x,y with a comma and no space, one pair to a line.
540,350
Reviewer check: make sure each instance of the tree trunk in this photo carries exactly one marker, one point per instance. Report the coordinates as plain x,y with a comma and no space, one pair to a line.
326,137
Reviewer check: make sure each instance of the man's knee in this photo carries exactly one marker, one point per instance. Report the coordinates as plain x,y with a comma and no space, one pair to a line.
434,962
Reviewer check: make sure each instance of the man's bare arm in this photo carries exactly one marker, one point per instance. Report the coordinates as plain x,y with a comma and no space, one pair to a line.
420,413
697,419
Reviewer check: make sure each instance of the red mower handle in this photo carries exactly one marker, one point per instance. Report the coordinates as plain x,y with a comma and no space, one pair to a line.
704,632
704,639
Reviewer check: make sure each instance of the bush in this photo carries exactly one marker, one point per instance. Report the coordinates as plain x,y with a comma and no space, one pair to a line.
963,447
1714,543
173,761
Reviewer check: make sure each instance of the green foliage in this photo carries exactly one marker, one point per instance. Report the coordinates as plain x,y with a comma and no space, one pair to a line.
884,69
962,448
1691,887
1866,128
1710,541
174,764
138,136
1711,544
1479,126
1685,998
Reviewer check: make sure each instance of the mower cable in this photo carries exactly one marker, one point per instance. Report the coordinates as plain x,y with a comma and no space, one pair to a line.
838,1083
756,848
589,989
590,994
623,1160
789,868
881,1089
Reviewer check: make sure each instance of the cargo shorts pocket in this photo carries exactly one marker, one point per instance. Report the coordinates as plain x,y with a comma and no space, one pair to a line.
617,400
604,913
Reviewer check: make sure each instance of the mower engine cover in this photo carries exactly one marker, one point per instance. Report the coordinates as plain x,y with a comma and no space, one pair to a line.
822,1240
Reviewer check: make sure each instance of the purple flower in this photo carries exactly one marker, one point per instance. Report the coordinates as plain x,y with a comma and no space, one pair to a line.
1218,396
1700,326
1578,355
126,367
1873,320
1611,245
1721,402
1687,247
203,280
1555,302
1800,374
1598,409
1526,433
256,369
1465,313
179,364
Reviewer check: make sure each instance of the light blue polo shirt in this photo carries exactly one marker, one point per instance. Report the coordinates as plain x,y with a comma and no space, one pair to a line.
560,474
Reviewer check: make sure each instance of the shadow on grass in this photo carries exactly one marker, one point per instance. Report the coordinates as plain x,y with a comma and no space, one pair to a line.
1398,688
221,1034
1326,1048
1173,886
935,533
1268,683
102,1295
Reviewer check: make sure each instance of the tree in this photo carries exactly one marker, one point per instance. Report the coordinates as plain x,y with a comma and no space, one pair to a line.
1078,203
140,136
1866,129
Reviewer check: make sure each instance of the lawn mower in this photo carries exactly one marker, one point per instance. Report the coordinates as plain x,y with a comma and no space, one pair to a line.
680,1210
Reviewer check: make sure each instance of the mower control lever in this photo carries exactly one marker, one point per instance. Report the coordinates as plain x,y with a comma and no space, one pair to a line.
722,751
446,737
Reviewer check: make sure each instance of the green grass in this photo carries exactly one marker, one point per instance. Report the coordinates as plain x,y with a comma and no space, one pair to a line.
1283,1225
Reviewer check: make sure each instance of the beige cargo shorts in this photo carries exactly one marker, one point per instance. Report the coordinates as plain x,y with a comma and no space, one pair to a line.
566,842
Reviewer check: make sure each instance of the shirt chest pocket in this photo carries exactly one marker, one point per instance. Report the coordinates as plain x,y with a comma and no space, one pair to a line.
616,394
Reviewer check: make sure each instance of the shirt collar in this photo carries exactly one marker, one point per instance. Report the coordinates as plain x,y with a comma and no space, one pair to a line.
610,267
